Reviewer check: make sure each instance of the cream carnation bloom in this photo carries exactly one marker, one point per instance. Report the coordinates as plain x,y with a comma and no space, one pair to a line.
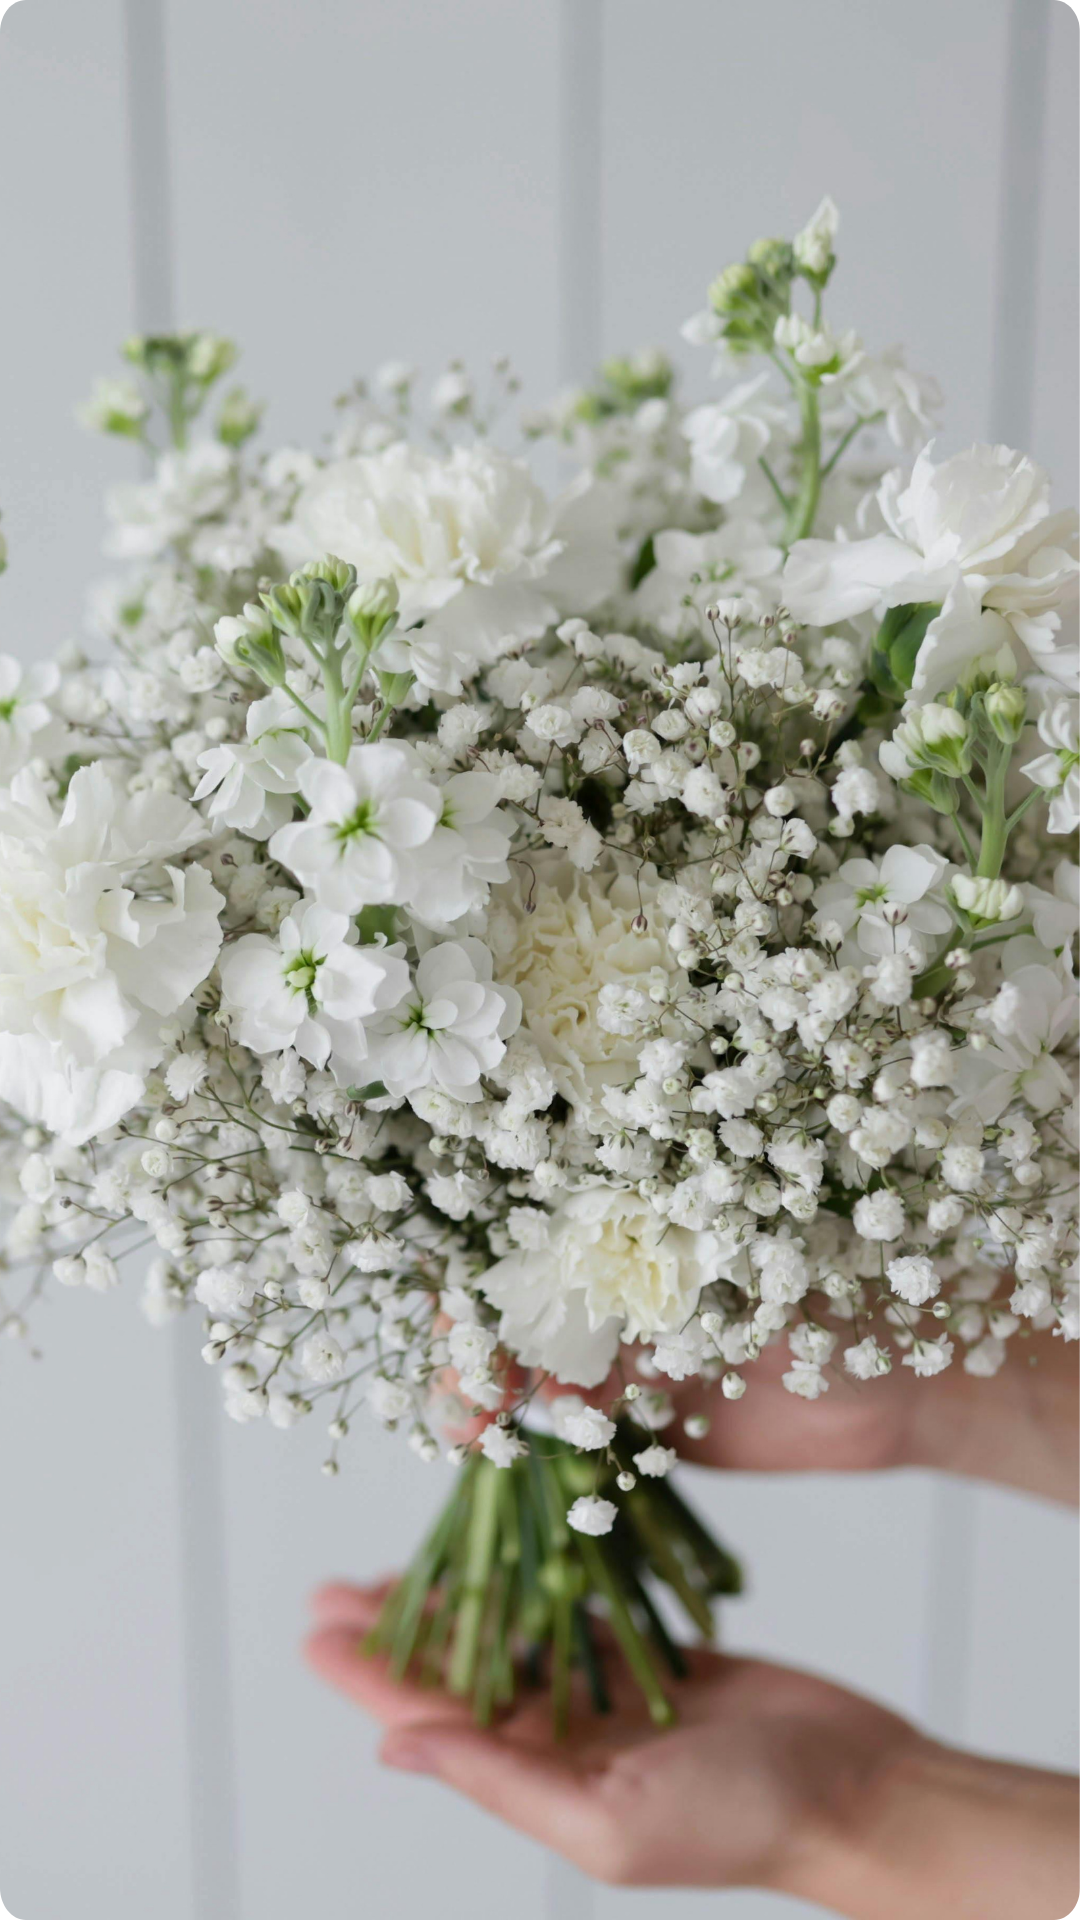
578,939
480,557
100,942
613,1270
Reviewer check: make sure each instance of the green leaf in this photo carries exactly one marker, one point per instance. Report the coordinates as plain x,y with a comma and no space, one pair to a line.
899,638
373,1091
644,563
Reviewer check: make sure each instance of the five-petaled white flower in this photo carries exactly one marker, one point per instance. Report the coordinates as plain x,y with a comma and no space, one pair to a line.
1058,769
1034,1011
24,710
312,989
253,783
467,853
450,1029
358,846
902,880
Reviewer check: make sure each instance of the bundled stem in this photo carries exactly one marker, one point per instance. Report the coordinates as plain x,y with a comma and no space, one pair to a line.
503,1587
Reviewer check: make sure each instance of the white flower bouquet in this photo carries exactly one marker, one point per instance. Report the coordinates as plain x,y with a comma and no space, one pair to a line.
505,950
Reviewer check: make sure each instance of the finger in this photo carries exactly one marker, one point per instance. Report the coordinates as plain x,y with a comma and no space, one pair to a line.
341,1602
541,1794
337,1655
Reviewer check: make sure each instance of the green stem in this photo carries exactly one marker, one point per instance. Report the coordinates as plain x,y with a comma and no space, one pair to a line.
842,445
774,483
177,413
1014,819
338,711
604,1580
479,1556
804,506
995,831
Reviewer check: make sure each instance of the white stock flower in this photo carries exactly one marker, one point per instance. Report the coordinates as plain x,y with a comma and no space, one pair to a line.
814,245
614,1268
467,853
480,557
1058,769
972,534
26,720
312,989
1035,1012
727,438
100,941
253,782
187,487
365,839
910,402
902,880
451,1026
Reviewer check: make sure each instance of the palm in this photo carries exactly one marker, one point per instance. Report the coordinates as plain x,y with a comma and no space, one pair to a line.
713,1801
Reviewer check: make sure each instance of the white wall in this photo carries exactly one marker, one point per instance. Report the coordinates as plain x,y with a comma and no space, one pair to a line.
336,182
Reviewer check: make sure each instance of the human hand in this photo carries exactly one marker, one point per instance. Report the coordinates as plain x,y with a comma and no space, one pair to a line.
771,1778
1018,1428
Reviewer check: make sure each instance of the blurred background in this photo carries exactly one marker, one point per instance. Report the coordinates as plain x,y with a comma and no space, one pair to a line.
337,183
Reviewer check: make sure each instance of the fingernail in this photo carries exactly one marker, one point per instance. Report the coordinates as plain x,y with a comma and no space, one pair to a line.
411,1756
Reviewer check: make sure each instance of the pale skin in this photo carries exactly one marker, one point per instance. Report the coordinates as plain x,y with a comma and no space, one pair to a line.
774,1778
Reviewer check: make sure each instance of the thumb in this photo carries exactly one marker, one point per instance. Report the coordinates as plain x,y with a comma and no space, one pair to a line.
538,1794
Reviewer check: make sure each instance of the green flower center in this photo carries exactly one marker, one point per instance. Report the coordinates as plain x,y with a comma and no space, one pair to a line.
302,972
866,896
362,821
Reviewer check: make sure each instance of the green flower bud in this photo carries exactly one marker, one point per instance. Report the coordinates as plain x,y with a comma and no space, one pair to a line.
371,612
1006,708
773,258
934,788
645,376
249,640
338,574
986,902
394,687
989,670
208,356
733,288
114,406
239,418
937,738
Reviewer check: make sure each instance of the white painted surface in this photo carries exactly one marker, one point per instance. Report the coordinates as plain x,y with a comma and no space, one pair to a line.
354,180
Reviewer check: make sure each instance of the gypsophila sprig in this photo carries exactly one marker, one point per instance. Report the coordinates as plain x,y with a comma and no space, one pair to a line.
459,928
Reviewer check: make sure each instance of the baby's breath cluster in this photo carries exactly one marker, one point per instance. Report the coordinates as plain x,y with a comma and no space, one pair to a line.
459,929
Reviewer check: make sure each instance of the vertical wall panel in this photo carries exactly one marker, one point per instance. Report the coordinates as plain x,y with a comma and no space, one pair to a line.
92,1801
352,184
1056,400
899,112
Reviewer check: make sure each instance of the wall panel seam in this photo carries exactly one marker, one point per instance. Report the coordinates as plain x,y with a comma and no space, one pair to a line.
200,1519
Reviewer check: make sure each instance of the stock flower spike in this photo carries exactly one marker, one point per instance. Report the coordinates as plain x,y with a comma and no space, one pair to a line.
503,948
